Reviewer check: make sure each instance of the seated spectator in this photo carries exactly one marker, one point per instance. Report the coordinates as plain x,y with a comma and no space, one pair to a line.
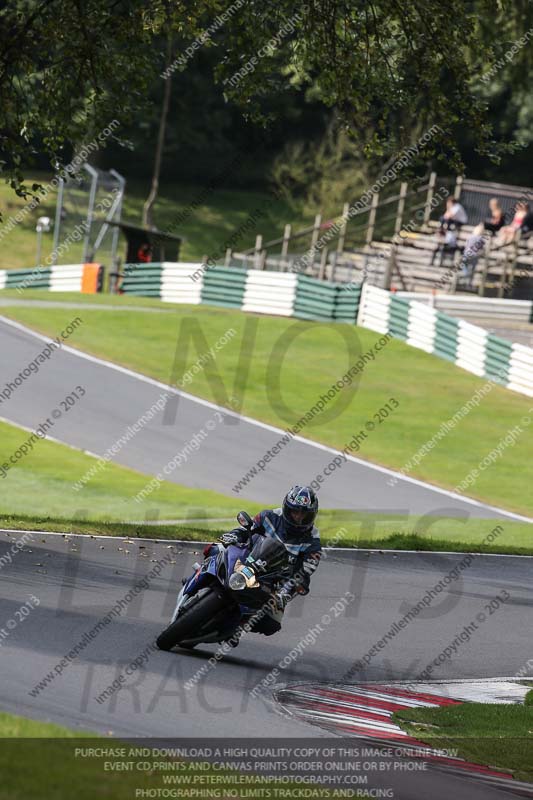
522,221
446,247
454,216
497,217
527,224
474,246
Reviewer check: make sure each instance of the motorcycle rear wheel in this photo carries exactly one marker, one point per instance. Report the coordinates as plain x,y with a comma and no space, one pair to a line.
189,624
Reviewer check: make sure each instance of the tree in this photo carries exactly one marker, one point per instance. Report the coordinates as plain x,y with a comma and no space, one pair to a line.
69,67
382,62
148,206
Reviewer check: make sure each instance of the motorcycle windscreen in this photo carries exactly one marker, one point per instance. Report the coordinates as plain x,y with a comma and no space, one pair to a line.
230,556
268,555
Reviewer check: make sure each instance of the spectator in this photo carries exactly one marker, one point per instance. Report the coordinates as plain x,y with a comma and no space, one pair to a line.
450,224
454,216
144,253
497,217
522,221
474,247
446,247
527,224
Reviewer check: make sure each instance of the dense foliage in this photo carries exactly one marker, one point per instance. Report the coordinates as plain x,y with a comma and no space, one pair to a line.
256,76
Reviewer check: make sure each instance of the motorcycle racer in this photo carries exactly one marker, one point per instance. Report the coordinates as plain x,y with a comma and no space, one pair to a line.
293,525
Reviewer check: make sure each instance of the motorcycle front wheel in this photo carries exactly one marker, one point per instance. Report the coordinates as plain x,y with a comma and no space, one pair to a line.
189,624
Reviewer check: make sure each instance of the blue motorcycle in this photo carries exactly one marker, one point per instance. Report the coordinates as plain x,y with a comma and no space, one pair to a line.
227,590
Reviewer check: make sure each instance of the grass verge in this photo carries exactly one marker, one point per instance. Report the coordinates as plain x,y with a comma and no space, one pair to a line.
252,363
38,761
386,534
496,735
42,484
38,495
118,301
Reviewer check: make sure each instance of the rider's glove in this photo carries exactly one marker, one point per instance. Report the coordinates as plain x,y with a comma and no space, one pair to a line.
283,597
230,538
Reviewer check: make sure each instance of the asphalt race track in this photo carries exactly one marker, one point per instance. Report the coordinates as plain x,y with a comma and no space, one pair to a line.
78,580
116,398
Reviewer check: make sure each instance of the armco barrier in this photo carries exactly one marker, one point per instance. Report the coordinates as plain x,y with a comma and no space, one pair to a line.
445,344
319,300
292,295
347,303
261,291
468,346
270,292
315,299
224,287
520,374
474,307
86,278
142,279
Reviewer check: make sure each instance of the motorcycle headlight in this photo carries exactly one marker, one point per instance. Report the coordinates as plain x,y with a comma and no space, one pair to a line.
237,581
